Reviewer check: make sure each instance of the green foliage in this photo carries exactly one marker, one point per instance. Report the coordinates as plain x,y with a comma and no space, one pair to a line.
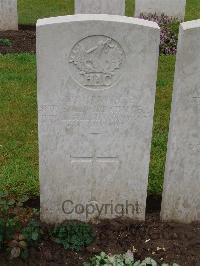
32,233
29,236
17,247
16,243
73,235
12,225
5,42
8,224
8,227
126,259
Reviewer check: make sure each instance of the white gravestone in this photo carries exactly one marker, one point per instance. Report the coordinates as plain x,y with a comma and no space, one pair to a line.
181,195
96,90
8,15
171,8
113,7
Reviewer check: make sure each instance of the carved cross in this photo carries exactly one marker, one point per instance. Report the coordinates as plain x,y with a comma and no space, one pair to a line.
94,160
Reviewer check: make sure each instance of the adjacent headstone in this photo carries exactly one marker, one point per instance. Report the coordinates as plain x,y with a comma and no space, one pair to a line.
8,15
181,196
171,8
96,90
113,7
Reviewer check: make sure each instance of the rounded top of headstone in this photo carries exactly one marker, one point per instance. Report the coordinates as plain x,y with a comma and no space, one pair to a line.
193,24
96,17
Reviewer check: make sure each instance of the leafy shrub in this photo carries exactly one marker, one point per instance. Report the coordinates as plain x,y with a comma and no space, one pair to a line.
25,238
29,236
169,32
13,237
122,260
11,226
8,228
8,224
17,247
73,235
5,42
32,233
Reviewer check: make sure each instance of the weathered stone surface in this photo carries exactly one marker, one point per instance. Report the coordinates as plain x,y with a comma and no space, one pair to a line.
172,8
96,90
8,15
181,201
113,7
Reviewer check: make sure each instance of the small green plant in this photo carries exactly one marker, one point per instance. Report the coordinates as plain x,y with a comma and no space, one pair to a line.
8,224
17,247
8,227
73,235
29,236
13,237
32,232
5,42
126,259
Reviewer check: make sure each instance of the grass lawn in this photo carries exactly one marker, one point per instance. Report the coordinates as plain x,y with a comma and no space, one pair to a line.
18,135
30,10
18,108
192,10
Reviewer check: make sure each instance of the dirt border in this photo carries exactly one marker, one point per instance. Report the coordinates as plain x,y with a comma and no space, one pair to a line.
21,41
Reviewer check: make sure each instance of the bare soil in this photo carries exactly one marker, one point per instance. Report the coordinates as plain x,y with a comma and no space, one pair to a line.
22,41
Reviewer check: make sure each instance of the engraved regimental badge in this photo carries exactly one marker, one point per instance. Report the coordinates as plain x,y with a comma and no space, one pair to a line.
96,62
